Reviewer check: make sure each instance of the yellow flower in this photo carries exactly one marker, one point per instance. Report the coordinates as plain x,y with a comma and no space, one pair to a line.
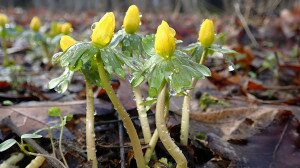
66,42
55,28
165,40
35,24
3,20
66,28
206,33
104,30
132,20
59,27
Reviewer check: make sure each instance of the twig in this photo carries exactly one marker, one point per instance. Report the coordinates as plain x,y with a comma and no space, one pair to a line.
119,120
72,147
245,25
7,121
279,142
121,141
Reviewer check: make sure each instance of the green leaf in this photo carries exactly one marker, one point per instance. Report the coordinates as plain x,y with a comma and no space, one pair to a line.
132,45
155,82
113,64
117,38
148,44
137,78
7,144
7,103
54,112
149,101
223,50
132,63
77,55
62,82
90,71
56,57
69,117
32,136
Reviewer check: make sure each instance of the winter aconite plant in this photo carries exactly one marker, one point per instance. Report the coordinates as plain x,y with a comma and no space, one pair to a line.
154,59
7,32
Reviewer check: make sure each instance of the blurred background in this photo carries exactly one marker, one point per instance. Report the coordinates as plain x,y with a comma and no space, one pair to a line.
186,6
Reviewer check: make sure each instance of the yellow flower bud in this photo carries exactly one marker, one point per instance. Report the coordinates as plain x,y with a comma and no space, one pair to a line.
66,42
3,20
55,28
59,27
206,33
66,28
35,24
104,30
132,20
165,40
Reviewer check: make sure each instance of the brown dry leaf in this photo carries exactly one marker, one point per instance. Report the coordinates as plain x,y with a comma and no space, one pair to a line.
276,146
237,123
33,116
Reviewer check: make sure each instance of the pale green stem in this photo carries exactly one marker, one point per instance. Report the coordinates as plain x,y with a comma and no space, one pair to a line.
142,114
59,142
6,61
51,141
133,136
151,146
48,55
185,115
164,134
90,134
47,156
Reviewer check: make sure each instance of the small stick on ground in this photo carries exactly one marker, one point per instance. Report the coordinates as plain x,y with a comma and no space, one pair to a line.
121,141
7,121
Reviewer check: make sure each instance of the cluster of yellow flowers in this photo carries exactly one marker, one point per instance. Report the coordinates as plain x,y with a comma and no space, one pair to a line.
165,42
56,28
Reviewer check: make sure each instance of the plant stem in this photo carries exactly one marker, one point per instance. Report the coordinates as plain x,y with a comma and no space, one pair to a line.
6,61
151,147
154,138
142,114
185,117
48,55
90,134
135,142
163,132
59,142
51,140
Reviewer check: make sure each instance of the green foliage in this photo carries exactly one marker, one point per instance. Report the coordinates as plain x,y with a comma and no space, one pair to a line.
7,103
206,100
178,71
10,32
54,112
62,82
33,136
7,144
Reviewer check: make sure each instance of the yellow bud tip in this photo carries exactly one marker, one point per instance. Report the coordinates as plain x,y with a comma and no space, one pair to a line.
132,20
104,30
207,33
165,40
35,24
66,42
3,20
66,28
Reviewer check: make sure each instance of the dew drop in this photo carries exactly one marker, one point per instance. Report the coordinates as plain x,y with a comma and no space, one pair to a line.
93,26
230,68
